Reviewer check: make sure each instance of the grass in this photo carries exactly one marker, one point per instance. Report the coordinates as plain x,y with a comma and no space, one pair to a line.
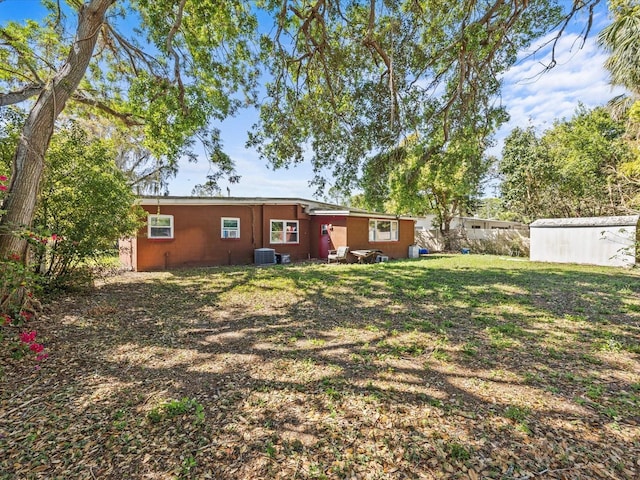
457,366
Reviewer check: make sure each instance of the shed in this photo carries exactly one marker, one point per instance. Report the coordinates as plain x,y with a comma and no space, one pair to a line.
610,241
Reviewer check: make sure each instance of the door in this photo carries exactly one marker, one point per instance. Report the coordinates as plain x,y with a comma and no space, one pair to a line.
325,241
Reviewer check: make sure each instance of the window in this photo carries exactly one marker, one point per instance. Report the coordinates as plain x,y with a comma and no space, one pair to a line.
230,227
284,231
475,227
383,230
160,226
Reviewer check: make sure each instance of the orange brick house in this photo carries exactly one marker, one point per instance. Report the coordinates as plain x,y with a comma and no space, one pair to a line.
194,231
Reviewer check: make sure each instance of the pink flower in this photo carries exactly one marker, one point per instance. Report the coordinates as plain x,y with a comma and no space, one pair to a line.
36,347
28,337
6,318
42,356
3,178
26,315
54,237
15,257
3,188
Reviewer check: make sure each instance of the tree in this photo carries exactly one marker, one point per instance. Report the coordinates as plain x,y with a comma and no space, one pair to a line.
179,69
572,170
352,80
620,39
527,175
588,151
415,181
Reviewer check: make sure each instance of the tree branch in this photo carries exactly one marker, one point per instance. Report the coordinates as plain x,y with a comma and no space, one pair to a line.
128,119
176,58
18,96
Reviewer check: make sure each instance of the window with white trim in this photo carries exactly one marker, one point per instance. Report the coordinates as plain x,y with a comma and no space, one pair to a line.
284,231
230,227
160,226
383,230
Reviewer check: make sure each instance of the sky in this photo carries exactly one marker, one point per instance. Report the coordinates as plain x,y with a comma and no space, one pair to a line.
530,99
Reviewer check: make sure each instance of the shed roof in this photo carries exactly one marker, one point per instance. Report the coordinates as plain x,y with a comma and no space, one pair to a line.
617,221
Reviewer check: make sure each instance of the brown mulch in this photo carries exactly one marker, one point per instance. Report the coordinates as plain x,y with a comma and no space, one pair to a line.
290,379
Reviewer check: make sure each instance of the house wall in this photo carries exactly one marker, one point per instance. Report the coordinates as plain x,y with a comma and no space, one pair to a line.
358,237
595,245
197,236
337,234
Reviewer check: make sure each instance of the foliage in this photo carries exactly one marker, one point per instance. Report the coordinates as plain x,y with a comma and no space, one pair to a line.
17,303
420,178
85,204
351,81
164,71
620,40
501,242
572,170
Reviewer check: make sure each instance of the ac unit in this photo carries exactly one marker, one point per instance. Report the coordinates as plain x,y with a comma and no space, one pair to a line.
264,256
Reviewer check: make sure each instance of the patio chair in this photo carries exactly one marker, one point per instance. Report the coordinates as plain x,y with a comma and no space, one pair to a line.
339,255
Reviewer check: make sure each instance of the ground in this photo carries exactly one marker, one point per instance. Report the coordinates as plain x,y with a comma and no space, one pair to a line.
458,366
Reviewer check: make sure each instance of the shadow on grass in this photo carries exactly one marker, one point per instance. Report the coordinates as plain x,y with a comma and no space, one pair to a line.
430,367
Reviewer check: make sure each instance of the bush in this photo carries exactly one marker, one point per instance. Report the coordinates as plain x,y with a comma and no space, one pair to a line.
85,206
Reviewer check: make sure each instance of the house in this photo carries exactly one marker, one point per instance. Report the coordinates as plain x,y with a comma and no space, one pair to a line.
610,241
194,231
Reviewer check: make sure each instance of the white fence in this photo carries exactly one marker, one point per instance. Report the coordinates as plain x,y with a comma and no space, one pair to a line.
513,242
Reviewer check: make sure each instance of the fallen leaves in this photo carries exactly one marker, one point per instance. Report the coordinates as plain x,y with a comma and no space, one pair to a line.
310,382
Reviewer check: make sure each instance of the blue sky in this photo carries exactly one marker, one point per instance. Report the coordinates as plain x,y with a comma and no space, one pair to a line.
530,98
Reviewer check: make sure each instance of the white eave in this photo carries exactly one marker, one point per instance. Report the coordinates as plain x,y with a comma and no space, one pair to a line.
223,201
312,207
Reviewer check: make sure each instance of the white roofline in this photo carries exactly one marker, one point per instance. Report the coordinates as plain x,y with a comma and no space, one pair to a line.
313,207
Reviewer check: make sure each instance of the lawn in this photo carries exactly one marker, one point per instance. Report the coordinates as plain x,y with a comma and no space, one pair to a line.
445,367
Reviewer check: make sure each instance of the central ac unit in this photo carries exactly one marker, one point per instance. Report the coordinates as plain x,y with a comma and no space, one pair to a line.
264,256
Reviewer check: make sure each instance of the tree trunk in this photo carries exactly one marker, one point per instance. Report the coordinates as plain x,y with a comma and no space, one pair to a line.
28,161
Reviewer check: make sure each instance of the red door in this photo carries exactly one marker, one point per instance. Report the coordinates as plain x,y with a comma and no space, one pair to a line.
325,241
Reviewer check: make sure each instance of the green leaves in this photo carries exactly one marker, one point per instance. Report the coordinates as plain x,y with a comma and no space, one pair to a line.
351,81
574,169
85,200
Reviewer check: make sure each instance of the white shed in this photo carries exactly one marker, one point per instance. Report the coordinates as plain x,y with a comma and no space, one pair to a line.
608,241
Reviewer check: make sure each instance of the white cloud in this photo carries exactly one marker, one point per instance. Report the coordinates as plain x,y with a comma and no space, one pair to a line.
537,98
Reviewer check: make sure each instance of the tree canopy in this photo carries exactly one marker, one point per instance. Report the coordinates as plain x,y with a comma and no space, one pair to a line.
347,80
574,169
165,71
353,79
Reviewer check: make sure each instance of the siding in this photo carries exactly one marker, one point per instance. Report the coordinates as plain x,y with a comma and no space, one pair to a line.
358,231
197,236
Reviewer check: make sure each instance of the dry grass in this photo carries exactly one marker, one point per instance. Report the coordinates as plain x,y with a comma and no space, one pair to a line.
445,367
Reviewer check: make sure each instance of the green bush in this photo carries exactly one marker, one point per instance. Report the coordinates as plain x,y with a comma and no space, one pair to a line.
85,206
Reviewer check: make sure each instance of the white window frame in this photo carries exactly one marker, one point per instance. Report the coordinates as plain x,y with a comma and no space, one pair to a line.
375,234
284,224
150,218
229,232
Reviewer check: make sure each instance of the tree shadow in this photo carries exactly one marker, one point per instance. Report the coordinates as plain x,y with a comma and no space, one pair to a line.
399,370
